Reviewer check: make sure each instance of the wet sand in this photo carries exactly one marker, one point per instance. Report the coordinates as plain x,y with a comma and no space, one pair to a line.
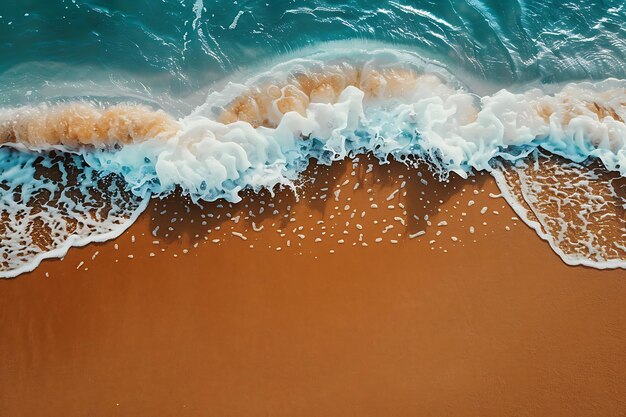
489,323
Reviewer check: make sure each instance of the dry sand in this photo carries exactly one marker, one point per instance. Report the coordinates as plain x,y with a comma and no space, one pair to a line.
489,323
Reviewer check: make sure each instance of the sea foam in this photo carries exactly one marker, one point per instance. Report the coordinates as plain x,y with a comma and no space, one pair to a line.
423,114
393,104
50,202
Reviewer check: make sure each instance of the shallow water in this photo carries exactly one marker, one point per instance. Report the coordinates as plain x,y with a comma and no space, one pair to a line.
252,92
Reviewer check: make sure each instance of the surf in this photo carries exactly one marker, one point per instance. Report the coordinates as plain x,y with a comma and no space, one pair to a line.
262,132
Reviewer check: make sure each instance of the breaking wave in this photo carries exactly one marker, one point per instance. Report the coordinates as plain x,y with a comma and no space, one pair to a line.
327,106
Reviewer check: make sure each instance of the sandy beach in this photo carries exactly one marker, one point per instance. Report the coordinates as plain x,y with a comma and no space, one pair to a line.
317,307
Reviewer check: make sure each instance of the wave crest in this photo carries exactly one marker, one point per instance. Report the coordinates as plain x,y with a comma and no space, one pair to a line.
79,124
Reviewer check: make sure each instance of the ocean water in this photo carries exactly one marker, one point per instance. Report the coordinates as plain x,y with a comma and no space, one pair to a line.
138,99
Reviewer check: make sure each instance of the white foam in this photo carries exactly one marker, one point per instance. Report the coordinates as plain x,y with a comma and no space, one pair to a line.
437,121
49,204
386,111
575,207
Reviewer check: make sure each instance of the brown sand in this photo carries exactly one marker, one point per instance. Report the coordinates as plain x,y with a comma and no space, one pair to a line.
489,324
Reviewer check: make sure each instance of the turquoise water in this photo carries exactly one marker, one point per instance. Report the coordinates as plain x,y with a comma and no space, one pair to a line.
198,96
180,46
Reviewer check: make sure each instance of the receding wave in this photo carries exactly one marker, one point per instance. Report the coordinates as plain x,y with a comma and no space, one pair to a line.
579,208
263,132
51,202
